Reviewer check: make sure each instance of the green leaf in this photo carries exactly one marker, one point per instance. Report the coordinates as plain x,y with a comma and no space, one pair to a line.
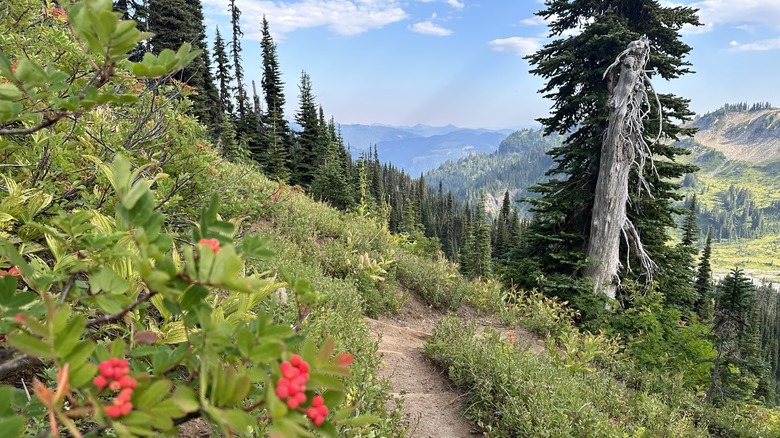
67,337
256,246
194,296
109,281
9,92
31,345
152,394
13,426
185,398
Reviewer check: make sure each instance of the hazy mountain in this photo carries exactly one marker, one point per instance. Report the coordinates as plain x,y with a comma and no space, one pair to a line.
420,148
519,162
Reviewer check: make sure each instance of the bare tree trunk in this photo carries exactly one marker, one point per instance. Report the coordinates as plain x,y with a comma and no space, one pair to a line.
623,146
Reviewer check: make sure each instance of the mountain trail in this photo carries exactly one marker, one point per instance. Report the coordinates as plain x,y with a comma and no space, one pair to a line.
432,408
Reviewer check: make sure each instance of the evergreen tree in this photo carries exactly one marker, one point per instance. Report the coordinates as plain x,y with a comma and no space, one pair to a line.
477,251
223,75
241,97
276,137
311,149
690,229
704,282
501,230
573,66
174,22
737,367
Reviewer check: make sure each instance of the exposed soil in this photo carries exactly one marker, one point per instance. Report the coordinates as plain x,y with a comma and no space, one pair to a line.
431,408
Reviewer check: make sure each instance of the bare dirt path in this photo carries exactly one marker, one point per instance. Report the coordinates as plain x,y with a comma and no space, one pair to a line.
431,408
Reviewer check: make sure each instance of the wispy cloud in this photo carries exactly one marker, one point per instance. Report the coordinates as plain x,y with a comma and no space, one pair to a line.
344,17
534,21
520,45
762,45
456,4
429,28
713,13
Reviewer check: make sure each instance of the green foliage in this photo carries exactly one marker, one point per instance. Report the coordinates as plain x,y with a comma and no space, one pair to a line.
511,392
437,283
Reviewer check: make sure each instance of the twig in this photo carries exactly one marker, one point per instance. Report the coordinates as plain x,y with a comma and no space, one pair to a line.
114,316
13,364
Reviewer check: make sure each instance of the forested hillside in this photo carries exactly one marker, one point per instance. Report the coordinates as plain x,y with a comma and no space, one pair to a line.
177,260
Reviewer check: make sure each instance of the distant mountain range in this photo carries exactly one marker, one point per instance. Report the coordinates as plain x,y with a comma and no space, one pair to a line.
737,149
420,148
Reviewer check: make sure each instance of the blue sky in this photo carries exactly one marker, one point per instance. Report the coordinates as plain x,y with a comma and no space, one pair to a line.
460,62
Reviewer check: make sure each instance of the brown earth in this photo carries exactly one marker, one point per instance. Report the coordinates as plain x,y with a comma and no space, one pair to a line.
432,408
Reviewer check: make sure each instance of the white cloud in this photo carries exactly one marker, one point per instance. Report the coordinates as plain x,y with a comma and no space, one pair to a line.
344,17
456,4
763,45
521,45
534,21
713,13
429,28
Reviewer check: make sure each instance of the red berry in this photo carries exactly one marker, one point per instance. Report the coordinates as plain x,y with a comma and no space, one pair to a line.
14,271
126,408
114,411
122,363
345,359
106,370
304,367
317,401
282,392
301,397
119,372
318,421
113,361
323,410
128,382
100,382
285,368
293,402
125,395
115,385
312,413
295,360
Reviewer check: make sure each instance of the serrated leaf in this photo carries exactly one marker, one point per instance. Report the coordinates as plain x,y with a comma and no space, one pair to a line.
186,399
31,345
152,394
65,339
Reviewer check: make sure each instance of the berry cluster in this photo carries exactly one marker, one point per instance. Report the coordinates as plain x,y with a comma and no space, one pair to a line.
211,243
13,271
114,375
291,387
317,411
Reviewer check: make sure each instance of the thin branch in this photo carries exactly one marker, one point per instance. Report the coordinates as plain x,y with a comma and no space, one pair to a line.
114,316
13,364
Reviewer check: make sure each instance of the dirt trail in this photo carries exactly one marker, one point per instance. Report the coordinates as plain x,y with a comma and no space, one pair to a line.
432,409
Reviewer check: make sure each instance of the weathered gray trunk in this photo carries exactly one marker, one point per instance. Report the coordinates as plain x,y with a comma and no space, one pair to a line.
623,144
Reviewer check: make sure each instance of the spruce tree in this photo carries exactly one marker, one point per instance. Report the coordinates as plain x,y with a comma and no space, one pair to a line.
175,22
690,229
312,146
556,241
738,366
235,46
276,130
223,75
704,281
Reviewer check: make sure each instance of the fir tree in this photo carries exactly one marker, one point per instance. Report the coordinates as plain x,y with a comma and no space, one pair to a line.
241,97
275,127
312,147
174,22
223,75
737,366
704,282
690,229
573,66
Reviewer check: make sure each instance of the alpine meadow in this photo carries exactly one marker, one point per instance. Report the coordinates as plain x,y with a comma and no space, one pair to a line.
187,250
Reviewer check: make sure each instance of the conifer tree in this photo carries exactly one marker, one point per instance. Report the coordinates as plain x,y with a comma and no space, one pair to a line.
235,46
311,148
276,130
573,66
223,75
690,229
181,21
704,281
738,366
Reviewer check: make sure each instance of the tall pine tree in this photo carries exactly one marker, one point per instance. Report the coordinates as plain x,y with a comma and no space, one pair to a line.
175,22
223,75
312,147
235,46
276,130
573,66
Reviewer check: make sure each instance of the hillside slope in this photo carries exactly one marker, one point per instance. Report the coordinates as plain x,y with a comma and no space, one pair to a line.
751,135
